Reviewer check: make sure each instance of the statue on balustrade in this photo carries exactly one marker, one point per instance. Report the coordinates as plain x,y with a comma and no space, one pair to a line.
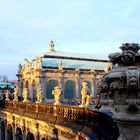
57,92
85,95
39,96
7,95
16,93
25,95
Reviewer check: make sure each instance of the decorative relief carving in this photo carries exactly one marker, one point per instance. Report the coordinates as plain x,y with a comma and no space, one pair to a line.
132,78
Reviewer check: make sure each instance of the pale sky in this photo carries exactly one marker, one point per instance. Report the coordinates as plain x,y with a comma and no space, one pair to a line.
82,26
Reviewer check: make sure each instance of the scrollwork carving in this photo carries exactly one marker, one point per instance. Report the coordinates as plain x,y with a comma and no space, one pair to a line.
116,85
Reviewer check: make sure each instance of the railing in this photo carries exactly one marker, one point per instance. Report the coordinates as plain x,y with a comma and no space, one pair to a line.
69,116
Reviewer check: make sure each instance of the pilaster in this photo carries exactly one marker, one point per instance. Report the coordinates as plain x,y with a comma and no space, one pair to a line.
77,84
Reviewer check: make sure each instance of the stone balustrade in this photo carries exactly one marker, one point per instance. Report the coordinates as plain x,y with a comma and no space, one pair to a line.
77,118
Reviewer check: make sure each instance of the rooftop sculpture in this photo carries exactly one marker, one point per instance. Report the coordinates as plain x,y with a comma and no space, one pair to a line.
51,46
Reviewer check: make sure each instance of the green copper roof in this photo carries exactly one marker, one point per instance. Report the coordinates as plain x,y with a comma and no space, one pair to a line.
73,64
67,60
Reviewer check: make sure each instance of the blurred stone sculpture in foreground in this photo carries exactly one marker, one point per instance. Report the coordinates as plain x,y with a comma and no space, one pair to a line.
122,84
56,92
85,95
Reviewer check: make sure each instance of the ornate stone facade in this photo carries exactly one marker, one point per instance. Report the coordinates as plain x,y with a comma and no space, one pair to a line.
66,70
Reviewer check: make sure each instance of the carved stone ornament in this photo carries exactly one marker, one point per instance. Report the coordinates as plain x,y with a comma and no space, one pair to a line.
122,84
125,75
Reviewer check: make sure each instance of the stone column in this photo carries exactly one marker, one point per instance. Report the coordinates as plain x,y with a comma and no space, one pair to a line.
92,83
60,79
30,90
43,88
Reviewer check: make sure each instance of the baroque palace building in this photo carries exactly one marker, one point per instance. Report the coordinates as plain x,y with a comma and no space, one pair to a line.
46,77
67,70
115,114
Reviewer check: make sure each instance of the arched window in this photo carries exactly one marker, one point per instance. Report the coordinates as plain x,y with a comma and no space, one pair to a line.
34,90
2,131
9,132
69,91
30,136
19,134
50,86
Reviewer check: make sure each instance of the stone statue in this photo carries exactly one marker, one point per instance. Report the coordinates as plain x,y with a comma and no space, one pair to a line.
39,96
7,95
27,65
25,95
37,63
16,93
57,92
85,95
51,46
